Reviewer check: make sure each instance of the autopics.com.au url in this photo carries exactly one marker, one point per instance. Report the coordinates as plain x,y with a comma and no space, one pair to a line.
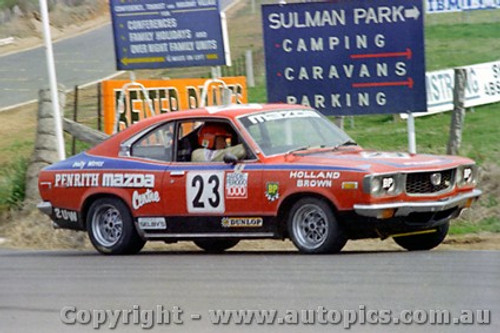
165,316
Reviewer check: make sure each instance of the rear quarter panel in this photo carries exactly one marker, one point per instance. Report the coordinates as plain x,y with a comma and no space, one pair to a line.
69,186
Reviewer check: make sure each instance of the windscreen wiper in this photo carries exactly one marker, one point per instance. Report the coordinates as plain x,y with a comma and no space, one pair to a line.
344,144
297,149
348,143
306,148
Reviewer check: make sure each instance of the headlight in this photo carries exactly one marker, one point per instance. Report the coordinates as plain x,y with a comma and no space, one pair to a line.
466,175
384,184
375,185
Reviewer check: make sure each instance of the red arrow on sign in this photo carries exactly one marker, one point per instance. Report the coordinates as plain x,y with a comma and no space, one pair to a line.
406,54
408,83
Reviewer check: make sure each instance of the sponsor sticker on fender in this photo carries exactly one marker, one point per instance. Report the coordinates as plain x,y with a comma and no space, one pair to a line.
314,178
141,199
133,180
76,180
245,222
66,215
78,165
237,185
128,180
91,164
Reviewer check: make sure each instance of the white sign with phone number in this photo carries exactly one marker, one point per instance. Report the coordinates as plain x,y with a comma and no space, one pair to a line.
483,87
448,6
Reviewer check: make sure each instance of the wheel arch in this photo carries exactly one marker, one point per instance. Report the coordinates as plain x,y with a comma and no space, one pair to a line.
93,198
287,203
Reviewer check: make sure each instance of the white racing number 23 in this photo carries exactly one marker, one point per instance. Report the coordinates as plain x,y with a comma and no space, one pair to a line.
205,191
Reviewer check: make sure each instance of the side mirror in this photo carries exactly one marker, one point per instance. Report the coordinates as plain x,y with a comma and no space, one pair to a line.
230,158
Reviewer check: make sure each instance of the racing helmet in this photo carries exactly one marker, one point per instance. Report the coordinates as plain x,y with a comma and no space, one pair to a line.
209,132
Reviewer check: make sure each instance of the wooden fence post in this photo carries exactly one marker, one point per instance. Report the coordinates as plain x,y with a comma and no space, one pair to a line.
75,119
458,114
45,151
99,106
339,121
249,68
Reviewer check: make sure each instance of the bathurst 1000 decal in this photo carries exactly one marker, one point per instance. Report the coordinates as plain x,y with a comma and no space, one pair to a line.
237,185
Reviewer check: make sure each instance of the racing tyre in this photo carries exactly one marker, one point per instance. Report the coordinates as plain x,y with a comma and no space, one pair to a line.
313,228
424,241
111,228
216,245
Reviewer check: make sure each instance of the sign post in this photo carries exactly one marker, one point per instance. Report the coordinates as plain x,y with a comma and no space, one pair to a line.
51,69
346,57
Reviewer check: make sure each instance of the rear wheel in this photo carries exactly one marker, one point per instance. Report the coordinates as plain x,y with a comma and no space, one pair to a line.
216,245
111,229
313,228
425,241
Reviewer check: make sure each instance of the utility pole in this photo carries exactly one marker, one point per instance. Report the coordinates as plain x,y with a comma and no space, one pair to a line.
52,79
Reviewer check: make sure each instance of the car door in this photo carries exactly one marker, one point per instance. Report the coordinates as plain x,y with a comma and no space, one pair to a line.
211,196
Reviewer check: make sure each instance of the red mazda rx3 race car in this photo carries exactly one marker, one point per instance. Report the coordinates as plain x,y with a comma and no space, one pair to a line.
281,171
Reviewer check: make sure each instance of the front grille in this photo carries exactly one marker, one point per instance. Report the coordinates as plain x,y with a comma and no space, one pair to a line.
420,182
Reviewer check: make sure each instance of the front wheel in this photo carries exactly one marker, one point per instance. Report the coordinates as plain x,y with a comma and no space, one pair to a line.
111,228
216,245
313,228
425,241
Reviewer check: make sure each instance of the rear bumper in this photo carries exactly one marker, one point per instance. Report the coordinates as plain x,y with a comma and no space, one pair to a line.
402,209
45,207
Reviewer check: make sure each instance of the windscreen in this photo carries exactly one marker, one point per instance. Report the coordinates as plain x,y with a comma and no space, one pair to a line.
279,132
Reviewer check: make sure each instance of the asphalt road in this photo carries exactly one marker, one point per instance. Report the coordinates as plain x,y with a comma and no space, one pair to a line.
38,290
79,60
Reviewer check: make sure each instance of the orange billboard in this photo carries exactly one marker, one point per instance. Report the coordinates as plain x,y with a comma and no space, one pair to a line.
164,95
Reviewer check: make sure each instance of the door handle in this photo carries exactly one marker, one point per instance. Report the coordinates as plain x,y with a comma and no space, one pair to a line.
177,173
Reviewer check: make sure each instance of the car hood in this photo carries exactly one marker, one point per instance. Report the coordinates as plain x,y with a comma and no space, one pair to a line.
378,161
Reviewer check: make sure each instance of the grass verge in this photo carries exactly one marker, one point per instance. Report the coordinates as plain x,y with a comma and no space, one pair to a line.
12,180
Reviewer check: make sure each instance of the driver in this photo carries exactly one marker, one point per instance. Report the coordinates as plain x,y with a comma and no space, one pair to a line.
215,140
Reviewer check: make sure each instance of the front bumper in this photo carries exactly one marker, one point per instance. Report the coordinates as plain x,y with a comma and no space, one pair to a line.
402,209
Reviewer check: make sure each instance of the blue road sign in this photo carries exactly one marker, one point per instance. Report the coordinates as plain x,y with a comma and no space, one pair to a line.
151,34
346,57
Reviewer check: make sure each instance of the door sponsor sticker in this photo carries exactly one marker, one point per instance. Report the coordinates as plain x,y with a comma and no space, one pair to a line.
272,191
237,185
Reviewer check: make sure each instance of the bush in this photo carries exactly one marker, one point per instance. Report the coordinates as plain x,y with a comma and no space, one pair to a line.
12,184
